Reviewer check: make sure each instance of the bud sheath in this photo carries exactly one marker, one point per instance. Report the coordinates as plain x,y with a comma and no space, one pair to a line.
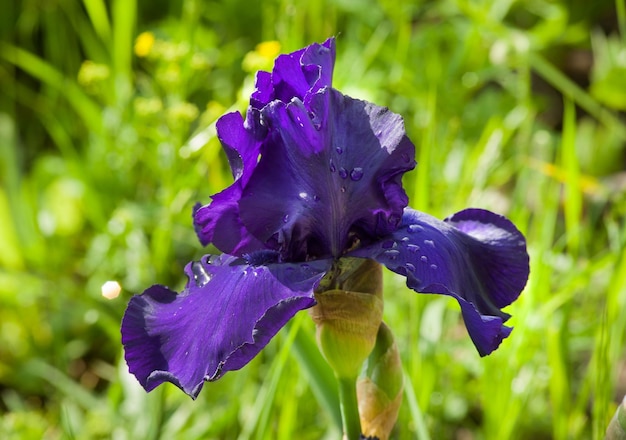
379,388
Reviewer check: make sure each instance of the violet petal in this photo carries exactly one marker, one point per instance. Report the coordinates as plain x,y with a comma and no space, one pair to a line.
330,181
296,74
219,222
475,256
226,314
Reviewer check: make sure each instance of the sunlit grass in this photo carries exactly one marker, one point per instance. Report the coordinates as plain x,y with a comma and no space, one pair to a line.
105,148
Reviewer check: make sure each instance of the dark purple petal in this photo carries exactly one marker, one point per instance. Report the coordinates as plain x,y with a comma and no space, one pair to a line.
226,314
323,183
219,221
296,74
475,256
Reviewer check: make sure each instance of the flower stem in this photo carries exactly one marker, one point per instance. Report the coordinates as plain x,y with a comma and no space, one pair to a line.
349,408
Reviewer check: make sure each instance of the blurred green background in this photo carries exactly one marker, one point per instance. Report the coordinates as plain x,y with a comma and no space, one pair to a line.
107,139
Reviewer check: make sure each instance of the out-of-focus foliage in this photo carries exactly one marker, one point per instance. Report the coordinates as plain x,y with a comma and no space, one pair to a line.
107,139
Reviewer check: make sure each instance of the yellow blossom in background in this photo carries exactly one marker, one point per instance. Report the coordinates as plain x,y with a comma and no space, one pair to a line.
268,49
262,57
144,43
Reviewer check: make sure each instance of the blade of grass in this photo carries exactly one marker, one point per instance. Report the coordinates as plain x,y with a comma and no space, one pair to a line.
416,413
573,195
569,88
97,11
318,374
35,66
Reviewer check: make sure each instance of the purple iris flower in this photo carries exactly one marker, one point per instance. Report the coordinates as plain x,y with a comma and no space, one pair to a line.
317,177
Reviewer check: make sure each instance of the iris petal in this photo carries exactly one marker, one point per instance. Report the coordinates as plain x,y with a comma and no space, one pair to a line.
219,222
327,180
475,256
226,314
296,74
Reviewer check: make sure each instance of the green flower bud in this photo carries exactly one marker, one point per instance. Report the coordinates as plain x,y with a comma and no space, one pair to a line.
348,313
617,426
379,388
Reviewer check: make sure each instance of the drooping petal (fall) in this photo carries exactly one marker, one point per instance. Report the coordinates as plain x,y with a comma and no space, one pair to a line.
226,314
475,256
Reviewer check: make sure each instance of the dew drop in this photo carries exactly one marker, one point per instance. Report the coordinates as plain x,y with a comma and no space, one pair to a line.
343,189
379,133
433,266
339,150
333,168
285,218
424,259
413,248
343,173
405,239
200,275
316,198
415,228
392,254
410,267
302,195
429,243
356,174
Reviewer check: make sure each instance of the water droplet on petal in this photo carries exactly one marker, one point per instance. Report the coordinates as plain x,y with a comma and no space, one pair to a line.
200,275
433,266
339,150
410,267
429,243
379,133
285,218
333,168
392,254
405,239
343,173
302,195
415,228
424,259
343,189
356,174
316,198
413,248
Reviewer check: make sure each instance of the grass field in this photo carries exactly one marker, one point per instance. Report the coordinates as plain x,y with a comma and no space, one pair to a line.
107,139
